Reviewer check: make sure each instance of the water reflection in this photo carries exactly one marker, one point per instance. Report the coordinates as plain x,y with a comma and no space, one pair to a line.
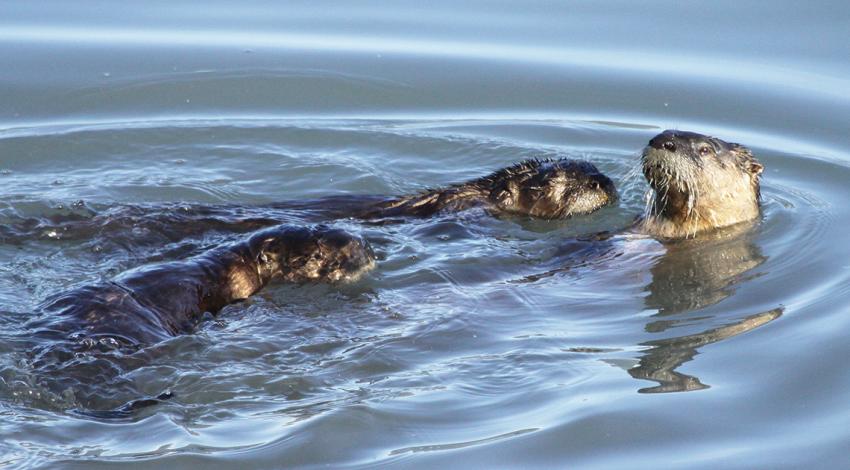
691,275
660,362
696,273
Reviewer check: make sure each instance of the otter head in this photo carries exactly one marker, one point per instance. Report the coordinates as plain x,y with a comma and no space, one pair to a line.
301,254
698,183
550,189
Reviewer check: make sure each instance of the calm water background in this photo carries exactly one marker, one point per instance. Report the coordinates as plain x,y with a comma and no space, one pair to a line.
478,342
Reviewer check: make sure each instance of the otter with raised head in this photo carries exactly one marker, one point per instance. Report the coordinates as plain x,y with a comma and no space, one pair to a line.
699,183
548,189
162,300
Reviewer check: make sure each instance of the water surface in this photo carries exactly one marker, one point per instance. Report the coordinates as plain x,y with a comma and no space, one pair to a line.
478,341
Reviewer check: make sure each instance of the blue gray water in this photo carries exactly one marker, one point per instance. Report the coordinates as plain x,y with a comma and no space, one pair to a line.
478,341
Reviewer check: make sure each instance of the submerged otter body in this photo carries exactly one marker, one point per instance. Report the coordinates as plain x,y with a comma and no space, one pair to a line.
548,189
158,301
699,183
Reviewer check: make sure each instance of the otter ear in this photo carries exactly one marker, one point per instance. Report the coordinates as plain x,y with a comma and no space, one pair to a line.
750,163
755,168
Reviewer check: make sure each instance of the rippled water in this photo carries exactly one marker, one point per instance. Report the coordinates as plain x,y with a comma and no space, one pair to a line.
138,133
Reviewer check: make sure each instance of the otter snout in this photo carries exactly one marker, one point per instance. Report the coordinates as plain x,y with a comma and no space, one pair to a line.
665,141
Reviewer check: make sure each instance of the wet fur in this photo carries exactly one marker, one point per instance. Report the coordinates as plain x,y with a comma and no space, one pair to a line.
549,189
158,301
702,184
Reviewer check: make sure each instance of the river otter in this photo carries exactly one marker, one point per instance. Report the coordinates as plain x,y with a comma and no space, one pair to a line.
699,183
548,189
158,301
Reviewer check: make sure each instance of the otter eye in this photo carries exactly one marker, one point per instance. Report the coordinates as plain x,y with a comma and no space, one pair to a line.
669,146
594,185
705,150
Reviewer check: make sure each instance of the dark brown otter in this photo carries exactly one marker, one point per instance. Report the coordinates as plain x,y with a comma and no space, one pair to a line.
698,183
548,189
158,301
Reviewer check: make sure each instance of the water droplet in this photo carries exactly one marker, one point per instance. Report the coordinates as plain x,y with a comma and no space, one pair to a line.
52,234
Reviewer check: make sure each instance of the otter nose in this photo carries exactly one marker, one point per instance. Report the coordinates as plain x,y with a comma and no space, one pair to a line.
663,141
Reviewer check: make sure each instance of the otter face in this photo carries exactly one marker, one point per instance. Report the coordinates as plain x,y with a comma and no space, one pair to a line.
698,183
300,254
552,189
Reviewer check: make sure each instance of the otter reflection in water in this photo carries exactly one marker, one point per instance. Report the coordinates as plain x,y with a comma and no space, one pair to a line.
158,301
692,275
664,356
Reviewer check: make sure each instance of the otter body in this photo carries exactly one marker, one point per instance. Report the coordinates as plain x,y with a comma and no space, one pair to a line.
699,183
548,189
155,302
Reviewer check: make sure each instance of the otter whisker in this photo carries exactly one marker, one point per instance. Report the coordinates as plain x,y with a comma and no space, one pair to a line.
699,182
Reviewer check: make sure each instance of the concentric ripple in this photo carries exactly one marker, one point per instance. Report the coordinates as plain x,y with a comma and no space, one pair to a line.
466,314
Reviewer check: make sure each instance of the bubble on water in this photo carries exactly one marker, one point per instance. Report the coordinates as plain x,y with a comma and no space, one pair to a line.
52,234
443,237
106,74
